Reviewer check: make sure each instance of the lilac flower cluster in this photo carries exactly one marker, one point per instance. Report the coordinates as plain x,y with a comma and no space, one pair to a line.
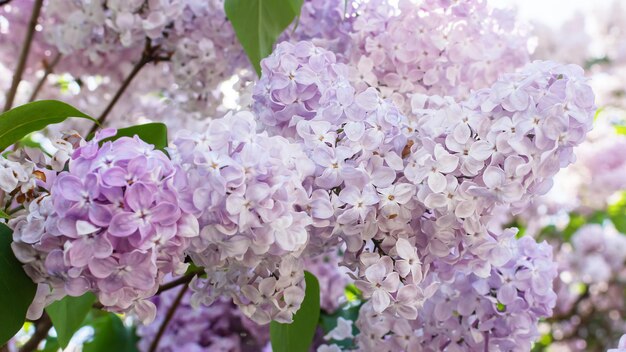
97,28
220,327
473,313
411,195
110,224
435,47
500,147
206,54
294,78
246,189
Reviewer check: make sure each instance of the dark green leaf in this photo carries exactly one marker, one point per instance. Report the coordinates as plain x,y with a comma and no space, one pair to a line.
258,23
348,311
22,120
68,314
110,334
298,336
17,290
151,133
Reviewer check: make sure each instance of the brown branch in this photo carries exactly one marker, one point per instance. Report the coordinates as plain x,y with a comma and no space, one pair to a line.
4,2
168,318
185,279
146,57
42,326
48,68
21,64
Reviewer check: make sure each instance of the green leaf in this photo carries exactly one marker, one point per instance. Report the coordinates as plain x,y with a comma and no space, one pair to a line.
296,6
598,112
576,221
617,213
258,23
298,336
151,133
68,314
353,293
22,120
620,129
52,345
17,290
348,311
4,215
110,334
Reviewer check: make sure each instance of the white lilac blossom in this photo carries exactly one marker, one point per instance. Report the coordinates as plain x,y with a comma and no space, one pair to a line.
111,224
246,189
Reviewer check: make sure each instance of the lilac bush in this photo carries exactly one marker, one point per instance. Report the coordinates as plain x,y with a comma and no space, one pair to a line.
390,149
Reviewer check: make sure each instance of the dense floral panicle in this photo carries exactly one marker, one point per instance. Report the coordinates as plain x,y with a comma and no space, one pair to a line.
110,224
434,47
96,28
410,195
473,313
195,39
206,53
246,189
293,80
500,147
325,23
219,327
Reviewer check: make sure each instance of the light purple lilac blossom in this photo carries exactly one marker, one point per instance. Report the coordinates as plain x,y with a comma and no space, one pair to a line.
247,190
409,195
110,224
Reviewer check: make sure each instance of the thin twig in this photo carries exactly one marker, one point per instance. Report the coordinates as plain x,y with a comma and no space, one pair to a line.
42,326
21,64
168,317
146,57
185,279
48,68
